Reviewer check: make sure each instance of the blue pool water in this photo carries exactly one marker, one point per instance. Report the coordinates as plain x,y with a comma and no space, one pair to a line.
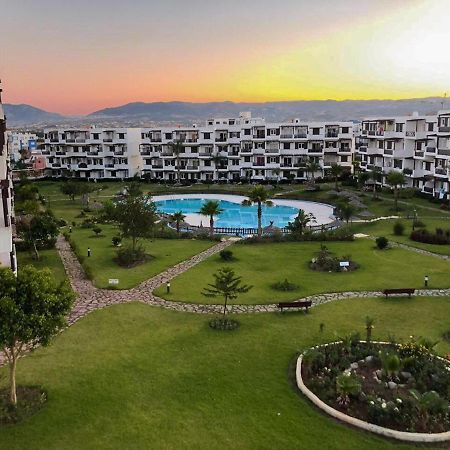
233,215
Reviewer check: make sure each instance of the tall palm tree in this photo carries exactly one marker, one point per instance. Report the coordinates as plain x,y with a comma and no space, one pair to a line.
258,196
396,180
312,167
211,208
178,217
336,171
374,175
217,159
177,147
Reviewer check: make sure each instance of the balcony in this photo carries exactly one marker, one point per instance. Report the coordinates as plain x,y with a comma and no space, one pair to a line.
300,136
155,139
286,136
315,150
388,152
221,139
107,140
419,154
444,152
440,171
444,129
345,149
259,136
431,149
157,166
410,134
331,134
54,139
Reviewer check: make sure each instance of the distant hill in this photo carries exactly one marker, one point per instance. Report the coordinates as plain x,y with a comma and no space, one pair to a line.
141,114
18,115
272,111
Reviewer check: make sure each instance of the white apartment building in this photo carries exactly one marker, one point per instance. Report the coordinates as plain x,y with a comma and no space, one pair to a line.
7,249
20,141
418,146
222,150
92,153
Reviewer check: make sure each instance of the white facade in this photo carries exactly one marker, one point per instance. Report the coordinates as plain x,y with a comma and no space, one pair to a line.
246,148
7,250
93,152
418,146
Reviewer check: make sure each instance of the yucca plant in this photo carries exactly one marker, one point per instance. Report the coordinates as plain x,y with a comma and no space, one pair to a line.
369,327
391,363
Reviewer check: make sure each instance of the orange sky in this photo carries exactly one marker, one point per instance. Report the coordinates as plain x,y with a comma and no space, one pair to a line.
76,59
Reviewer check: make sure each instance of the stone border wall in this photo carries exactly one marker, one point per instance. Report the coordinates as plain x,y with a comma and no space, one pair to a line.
386,432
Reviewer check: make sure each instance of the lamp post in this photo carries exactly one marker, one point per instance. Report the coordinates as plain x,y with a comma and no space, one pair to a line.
425,281
89,252
168,287
414,219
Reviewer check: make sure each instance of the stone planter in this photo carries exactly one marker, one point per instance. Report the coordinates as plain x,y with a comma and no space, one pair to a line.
366,426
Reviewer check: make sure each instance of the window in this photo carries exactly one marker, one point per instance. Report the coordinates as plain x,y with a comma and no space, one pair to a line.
121,135
207,163
168,135
207,135
344,158
399,127
194,150
247,131
398,164
95,136
430,126
286,145
316,131
380,144
345,130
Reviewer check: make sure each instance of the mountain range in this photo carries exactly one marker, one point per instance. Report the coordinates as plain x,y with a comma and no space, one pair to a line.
185,113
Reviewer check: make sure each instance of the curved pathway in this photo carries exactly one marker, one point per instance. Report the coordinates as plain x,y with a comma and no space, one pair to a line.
91,298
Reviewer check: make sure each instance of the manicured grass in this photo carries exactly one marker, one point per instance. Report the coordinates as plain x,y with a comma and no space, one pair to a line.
164,253
137,377
264,264
48,259
385,228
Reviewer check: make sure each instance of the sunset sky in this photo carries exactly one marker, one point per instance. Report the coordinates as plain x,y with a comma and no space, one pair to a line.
75,57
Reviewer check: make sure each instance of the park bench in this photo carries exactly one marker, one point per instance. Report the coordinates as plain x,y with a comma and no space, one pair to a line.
286,305
408,291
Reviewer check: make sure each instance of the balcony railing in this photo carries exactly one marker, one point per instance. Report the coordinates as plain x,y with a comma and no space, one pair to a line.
300,136
444,129
440,171
331,134
410,134
286,136
431,149
221,139
388,152
444,152
419,154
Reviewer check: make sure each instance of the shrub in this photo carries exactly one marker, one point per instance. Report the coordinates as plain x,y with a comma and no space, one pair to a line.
127,257
325,261
381,242
226,255
223,324
87,223
440,237
97,231
116,240
284,286
399,228
62,223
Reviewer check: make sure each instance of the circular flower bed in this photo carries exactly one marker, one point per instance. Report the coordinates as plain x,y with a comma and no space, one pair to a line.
384,386
224,324
326,261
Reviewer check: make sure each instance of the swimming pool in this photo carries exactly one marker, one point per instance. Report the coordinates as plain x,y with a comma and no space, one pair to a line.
237,216
233,215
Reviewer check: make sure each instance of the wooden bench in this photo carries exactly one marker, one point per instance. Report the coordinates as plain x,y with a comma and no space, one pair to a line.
408,291
286,305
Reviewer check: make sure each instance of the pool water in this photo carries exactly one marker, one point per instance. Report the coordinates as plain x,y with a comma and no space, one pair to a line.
234,214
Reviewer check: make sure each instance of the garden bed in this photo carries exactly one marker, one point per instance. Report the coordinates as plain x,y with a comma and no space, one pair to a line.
397,390
30,399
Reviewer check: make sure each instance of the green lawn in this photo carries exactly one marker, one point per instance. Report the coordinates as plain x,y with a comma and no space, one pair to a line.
385,228
264,264
136,377
48,259
165,253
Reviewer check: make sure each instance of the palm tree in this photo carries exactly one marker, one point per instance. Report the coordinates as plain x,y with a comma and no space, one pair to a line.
374,175
312,167
177,148
301,222
217,159
178,217
363,178
336,172
227,285
396,180
258,196
345,211
346,385
369,327
211,208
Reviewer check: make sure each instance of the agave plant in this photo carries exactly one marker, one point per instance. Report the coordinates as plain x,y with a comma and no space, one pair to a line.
426,403
347,384
369,327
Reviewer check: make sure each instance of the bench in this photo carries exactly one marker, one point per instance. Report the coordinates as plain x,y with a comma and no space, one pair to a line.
286,305
408,291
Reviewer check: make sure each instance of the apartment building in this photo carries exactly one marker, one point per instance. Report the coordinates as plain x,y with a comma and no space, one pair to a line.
20,143
7,249
418,146
231,149
92,153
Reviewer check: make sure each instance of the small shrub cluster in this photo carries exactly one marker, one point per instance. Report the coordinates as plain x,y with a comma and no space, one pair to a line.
116,241
127,257
382,242
326,261
440,237
226,255
284,286
223,324
399,228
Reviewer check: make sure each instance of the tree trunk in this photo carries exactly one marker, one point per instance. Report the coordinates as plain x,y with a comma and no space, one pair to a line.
133,243
36,253
12,379
225,305
178,226
336,184
259,219
211,226
396,198
374,190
